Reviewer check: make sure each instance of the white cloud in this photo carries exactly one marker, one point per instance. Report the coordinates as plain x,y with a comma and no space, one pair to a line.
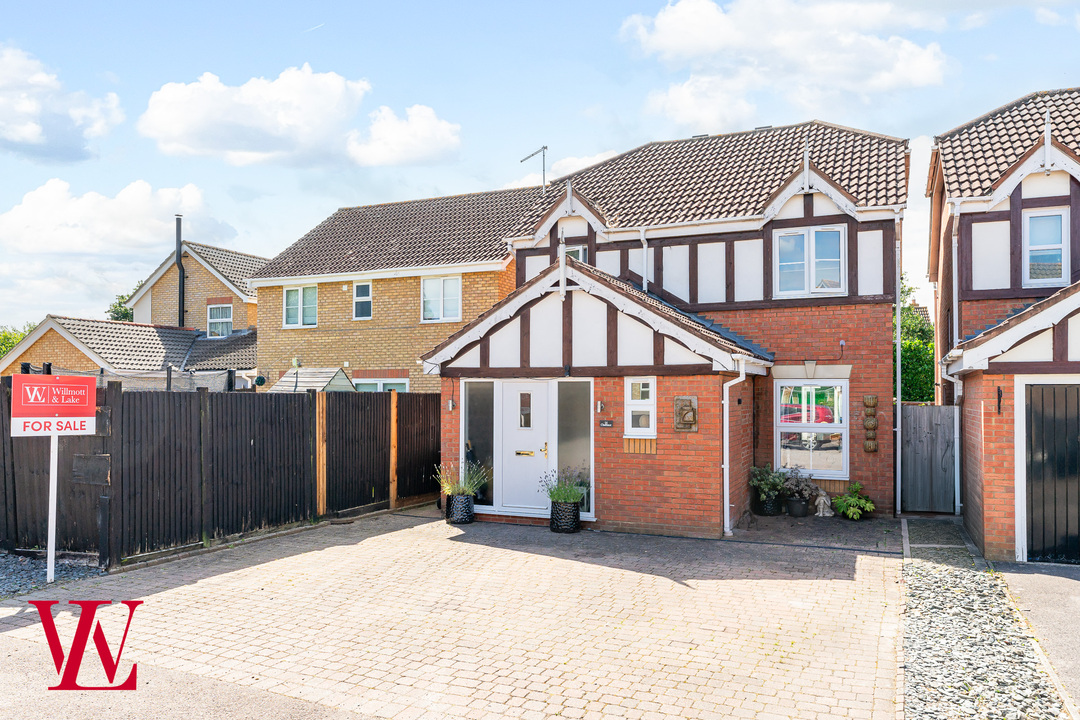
1046,16
974,20
70,254
812,54
917,223
563,166
39,119
421,137
301,117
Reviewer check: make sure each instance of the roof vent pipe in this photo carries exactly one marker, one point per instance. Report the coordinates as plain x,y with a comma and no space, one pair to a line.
181,320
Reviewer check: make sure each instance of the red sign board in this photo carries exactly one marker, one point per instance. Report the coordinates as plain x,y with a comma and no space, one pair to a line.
53,405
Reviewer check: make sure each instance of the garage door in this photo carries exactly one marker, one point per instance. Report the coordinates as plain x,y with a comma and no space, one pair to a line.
1053,473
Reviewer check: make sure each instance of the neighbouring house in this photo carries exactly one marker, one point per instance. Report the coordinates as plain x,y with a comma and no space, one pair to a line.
922,311
683,311
1004,258
371,288
142,356
202,287
317,379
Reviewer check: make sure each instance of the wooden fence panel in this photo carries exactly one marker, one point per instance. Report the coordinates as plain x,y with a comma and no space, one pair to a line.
419,441
928,464
8,528
357,451
162,471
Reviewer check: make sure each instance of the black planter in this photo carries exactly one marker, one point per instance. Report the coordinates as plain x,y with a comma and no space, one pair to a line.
797,507
565,517
459,509
768,508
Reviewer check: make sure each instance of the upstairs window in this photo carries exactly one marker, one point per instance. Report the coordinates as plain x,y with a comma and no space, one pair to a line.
1046,247
301,306
362,301
578,252
441,299
810,261
218,320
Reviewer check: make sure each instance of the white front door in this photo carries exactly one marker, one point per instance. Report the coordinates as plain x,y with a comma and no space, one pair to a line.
525,445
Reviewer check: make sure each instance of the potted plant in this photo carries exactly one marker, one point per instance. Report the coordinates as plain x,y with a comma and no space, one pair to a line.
566,488
460,490
853,503
767,490
800,491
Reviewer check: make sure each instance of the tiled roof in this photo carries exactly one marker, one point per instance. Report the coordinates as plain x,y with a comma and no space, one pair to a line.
733,175
148,348
416,233
132,346
922,312
233,352
1018,316
236,266
975,155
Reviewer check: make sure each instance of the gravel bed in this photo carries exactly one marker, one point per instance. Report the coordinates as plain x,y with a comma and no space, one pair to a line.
20,574
934,532
966,653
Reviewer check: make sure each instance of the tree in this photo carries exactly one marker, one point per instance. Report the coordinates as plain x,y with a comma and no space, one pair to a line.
118,311
11,335
916,349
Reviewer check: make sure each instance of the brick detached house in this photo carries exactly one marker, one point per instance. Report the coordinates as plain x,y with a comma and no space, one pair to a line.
1004,258
371,288
683,311
194,316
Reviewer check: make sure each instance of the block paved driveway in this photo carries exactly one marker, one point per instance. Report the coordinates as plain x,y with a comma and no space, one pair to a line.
404,616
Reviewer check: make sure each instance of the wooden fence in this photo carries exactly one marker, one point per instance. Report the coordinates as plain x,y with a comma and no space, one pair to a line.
173,470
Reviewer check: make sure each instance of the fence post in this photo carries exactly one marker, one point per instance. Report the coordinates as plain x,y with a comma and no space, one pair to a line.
393,449
114,395
206,494
10,538
320,452
104,533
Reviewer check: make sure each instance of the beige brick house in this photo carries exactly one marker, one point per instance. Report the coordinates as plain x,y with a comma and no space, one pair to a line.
372,288
217,299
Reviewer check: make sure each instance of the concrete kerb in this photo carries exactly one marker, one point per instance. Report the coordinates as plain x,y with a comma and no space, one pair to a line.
226,543
901,658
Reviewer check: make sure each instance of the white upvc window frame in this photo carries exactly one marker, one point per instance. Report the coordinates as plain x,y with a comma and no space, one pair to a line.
843,427
370,299
443,317
381,382
210,322
630,405
1066,261
582,252
299,324
810,261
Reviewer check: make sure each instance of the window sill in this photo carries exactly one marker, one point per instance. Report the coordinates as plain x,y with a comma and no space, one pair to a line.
437,322
361,318
808,296
298,327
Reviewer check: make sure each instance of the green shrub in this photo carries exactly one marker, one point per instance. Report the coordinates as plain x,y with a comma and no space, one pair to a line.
468,482
566,485
767,482
853,503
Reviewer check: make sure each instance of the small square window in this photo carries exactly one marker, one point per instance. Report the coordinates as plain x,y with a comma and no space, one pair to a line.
578,252
362,301
219,320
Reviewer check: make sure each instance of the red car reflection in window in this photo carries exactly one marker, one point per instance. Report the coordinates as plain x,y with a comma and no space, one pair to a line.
791,413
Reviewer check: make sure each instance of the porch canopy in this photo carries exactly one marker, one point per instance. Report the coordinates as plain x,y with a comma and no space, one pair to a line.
575,320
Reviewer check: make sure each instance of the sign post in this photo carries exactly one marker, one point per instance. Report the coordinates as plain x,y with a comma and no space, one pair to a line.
53,405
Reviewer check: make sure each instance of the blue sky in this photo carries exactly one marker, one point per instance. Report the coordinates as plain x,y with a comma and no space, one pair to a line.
257,120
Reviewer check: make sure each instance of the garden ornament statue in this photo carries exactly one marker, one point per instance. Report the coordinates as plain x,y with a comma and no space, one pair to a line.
824,505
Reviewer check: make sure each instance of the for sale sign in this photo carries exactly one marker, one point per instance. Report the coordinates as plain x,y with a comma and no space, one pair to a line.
53,405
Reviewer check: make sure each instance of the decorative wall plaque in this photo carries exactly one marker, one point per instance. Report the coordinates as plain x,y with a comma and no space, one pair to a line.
686,413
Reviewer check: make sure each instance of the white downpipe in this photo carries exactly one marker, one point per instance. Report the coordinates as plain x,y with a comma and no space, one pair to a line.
898,410
727,447
644,262
955,276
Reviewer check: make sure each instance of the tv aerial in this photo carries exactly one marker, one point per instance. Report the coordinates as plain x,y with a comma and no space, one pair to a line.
543,170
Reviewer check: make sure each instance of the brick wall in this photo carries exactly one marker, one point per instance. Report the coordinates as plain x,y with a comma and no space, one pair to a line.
978,315
392,340
989,464
52,347
677,491
814,333
200,286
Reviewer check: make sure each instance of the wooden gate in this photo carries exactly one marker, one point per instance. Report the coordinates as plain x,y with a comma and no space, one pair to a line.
1053,472
928,465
